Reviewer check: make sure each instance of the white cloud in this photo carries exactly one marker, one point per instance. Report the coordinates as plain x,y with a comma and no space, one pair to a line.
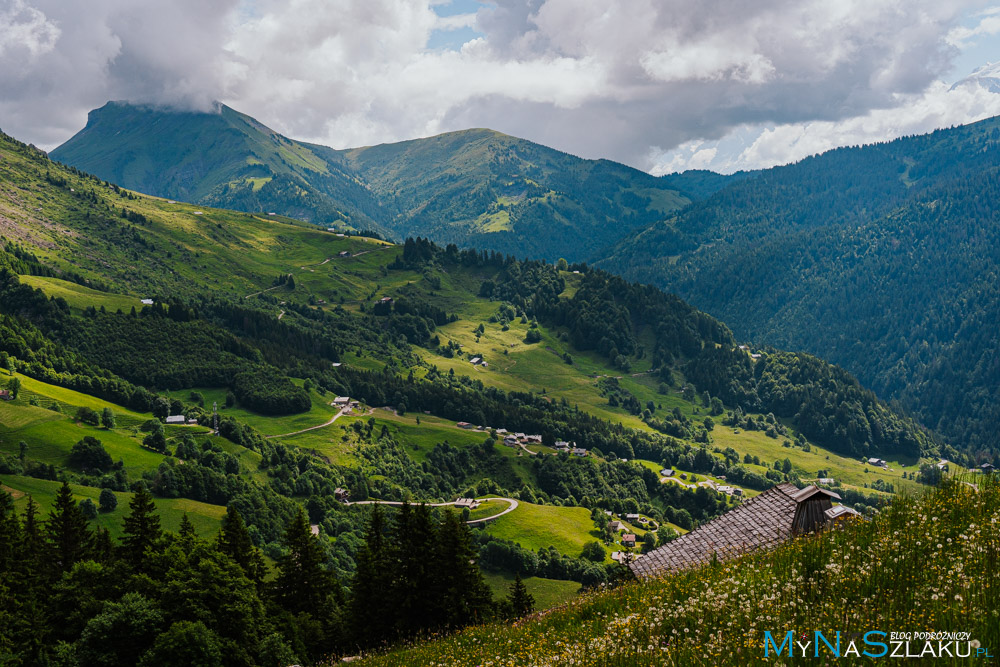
24,28
608,78
988,25
939,106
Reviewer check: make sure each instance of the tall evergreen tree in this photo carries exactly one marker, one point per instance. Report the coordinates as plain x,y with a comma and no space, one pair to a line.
371,603
69,537
519,600
460,593
235,542
186,535
302,584
413,543
10,532
142,527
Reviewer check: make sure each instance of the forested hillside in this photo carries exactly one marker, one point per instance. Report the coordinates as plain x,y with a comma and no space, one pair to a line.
882,259
476,188
130,326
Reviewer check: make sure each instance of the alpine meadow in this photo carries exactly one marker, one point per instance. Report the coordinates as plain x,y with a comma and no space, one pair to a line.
702,371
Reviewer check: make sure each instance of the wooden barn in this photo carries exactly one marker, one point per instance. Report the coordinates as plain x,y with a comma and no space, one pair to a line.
781,512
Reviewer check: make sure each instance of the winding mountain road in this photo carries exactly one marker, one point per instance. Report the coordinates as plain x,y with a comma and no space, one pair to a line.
311,428
511,502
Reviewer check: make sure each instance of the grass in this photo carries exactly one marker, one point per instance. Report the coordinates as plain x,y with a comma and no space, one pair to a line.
547,593
925,564
206,518
51,435
80,297
542,526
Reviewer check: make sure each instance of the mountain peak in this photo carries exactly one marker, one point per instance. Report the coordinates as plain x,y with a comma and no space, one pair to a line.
987,77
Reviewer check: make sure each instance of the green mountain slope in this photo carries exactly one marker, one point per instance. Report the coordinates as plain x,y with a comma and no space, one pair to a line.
718,614
224,159
475,187
267,319
882,259
485,189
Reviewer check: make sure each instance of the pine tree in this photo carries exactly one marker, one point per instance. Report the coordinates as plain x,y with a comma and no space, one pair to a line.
519,600
235,542
370,604
302,584
460,593
413,543
68,535
142,528
186,535
10,533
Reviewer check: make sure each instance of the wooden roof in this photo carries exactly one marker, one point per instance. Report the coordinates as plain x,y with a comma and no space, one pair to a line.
759,522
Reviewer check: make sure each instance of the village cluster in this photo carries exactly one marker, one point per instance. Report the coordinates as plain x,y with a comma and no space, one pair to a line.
523,440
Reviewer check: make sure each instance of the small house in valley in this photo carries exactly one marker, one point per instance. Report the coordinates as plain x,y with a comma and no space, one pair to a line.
5,395
342,401
616,526
341,494
467,503
176,419
466,425
628,540
579,451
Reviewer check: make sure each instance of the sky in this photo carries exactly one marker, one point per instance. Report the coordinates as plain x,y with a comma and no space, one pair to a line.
662,85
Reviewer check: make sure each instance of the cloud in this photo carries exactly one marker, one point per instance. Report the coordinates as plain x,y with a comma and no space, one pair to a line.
988,25
609,78
939,106
60,59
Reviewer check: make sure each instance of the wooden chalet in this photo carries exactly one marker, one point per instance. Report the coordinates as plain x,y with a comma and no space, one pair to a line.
762,522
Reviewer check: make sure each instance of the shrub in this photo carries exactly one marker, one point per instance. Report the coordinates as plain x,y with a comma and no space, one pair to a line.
108,500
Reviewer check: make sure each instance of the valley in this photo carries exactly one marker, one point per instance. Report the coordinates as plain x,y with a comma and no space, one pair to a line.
134,322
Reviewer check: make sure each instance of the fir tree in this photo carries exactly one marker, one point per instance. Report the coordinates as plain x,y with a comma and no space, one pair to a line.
142,528
302,584
460,593
68,535
10,532
370,603
235,542
186,535
519,600
413,543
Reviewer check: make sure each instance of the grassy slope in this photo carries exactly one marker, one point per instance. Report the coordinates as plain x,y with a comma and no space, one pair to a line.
925,565
547,593
541,526
205,517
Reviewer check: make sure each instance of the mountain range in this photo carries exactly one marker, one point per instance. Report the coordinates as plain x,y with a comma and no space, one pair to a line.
840,254
247,382
476,187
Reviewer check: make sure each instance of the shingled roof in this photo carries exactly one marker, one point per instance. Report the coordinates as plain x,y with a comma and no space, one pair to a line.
760,522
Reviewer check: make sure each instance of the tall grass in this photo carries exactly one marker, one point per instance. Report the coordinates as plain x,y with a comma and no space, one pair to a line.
924,564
